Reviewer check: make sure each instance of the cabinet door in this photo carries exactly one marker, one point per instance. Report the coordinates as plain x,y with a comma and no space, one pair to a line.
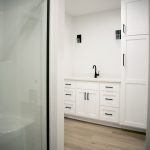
81,103
135,17
92,105
135,81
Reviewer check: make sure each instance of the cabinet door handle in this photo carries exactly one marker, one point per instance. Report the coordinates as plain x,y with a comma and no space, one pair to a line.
108,99
67,84
108,114
68,94
84,95
88,98
124,28
123,59
68,107
108,87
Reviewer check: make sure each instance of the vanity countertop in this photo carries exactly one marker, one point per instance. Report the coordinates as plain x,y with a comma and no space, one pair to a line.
94,79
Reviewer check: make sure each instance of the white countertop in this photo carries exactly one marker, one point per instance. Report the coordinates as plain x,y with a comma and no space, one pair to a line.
93,79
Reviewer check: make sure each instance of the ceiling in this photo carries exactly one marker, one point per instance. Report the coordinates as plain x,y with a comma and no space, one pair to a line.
82,7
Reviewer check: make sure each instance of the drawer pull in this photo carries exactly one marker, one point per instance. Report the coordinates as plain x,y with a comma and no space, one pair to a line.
88,96
84,95
108,87
108,114
108,99
67,84
124,28
68,107
68,94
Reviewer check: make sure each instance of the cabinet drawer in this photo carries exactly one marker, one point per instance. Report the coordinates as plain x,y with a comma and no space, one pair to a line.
69,84
109,114
69,108
69,95
109,87
109,99
88,85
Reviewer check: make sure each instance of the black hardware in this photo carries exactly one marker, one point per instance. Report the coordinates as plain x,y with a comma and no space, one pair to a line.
108,99
123,59
118,34
85,96
67,84
95,74
79,38
68,107
68,94
108,114
124,28
88,96
108,87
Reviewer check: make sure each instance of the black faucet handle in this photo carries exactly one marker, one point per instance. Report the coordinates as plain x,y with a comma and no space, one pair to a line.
98,74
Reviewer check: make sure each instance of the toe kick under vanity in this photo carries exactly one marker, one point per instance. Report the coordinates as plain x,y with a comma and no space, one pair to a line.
96,101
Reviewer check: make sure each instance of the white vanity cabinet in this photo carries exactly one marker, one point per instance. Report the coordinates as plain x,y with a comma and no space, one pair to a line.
69,108
109,114
69,97
109,102
88,96
135,62
87,103
93,100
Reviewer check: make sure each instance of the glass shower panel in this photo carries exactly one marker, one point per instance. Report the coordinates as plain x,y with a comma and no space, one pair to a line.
22,80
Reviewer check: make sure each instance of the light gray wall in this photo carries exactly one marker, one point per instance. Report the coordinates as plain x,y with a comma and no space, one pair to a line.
148,119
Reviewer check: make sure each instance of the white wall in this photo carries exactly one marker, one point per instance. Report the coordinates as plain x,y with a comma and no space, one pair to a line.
99,46
68,39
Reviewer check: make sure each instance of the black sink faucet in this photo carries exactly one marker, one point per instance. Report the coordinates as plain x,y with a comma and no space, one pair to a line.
95,74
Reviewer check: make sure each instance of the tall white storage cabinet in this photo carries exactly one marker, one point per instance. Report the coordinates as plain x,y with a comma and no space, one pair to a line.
135,56
134,17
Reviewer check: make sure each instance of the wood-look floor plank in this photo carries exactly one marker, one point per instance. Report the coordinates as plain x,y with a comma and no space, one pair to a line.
85,136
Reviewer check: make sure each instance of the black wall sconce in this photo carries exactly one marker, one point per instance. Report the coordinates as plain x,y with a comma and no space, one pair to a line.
79,38
118,34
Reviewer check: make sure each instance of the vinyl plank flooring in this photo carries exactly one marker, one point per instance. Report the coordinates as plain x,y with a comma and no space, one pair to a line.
86,136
